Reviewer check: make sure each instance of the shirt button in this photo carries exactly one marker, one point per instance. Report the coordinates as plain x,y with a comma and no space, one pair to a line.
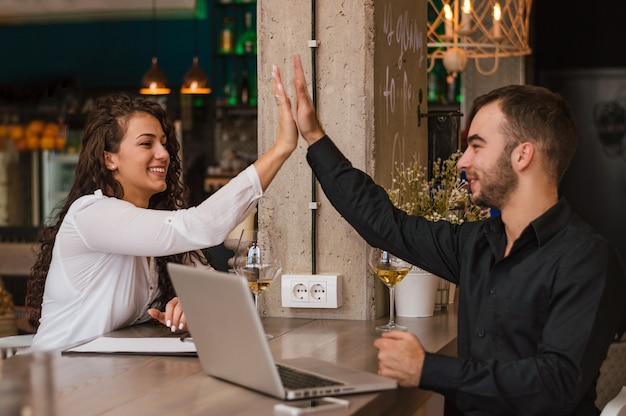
481,333
151,288
492,290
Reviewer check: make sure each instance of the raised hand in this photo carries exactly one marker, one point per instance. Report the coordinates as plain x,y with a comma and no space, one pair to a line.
268,164
308,124
287,129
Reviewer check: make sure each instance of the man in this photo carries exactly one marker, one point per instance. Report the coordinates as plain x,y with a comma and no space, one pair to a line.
541,294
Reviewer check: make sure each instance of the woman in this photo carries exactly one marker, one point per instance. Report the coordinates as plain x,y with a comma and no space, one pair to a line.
102,264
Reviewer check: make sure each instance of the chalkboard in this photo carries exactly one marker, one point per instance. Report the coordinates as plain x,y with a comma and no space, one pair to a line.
400,84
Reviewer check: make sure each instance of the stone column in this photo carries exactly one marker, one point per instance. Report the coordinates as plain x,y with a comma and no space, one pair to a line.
371,80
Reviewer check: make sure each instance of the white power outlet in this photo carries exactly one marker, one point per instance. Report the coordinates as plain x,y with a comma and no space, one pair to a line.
311,291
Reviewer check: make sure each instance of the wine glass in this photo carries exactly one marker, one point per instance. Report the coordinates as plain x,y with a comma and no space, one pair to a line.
391,270
256,261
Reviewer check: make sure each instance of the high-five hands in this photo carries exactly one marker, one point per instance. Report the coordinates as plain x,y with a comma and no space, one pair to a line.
308,124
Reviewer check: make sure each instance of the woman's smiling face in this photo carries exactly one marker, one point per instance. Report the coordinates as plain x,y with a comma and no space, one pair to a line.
141,163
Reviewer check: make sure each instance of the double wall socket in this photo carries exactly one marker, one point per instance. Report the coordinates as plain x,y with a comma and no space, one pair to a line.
311,290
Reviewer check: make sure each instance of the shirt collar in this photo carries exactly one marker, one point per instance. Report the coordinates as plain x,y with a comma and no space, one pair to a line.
543,228
552,221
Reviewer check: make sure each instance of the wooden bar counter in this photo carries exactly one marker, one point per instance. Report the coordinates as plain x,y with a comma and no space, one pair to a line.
95,384
16,258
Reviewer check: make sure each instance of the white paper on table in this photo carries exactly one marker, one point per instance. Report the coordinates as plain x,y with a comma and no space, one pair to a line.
139,346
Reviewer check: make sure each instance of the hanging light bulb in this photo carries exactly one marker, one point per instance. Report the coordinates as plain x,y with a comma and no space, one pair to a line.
154,82
195,81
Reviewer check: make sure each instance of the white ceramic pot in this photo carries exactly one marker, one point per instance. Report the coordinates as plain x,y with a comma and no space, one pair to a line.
415,294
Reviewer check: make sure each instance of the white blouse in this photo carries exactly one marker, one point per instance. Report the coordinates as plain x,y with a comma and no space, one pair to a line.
99,278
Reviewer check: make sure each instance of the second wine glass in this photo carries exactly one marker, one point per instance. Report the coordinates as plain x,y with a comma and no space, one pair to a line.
256,261
390,270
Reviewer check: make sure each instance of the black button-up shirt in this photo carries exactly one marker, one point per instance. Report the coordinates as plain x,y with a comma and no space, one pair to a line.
534,327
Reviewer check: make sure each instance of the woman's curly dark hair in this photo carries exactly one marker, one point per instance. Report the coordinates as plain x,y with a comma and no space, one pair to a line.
105,127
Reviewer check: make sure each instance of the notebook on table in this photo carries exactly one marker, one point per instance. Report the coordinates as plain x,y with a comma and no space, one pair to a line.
231,343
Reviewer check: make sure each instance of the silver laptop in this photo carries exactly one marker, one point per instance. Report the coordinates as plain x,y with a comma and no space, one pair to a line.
232,346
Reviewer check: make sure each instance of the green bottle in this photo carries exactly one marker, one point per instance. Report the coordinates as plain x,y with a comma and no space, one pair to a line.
247,40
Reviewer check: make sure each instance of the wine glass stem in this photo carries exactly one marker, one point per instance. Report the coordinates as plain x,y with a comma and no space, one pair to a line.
392,311
257,303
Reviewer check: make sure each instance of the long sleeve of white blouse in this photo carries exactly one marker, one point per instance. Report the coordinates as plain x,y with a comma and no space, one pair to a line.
115,226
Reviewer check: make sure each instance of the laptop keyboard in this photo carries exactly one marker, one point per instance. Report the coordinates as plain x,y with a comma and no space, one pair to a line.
294,379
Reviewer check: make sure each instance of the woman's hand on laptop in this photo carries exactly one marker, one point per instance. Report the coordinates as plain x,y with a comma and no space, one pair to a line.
173,317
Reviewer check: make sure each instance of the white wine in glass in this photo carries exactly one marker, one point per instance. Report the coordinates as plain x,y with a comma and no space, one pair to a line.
255,260
390,270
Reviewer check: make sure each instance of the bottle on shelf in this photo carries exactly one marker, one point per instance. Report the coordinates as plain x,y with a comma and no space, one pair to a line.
232,91
225,94
247,41
433,88
244,89
227,35
253,90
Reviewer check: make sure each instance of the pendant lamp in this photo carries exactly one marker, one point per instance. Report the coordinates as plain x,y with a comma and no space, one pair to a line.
478,30
154,82
195,80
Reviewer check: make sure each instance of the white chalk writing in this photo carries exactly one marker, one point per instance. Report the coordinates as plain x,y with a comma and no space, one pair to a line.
404,34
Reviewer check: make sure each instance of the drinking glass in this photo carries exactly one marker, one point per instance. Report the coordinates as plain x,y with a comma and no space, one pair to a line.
255,260
390,270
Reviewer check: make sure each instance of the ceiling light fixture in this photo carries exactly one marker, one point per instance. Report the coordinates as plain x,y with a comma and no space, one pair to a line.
460,30
195,81
154,82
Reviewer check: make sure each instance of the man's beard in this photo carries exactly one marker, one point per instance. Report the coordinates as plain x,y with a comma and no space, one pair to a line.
497,185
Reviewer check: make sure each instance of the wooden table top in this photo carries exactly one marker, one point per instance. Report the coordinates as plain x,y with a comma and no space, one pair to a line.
88,384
